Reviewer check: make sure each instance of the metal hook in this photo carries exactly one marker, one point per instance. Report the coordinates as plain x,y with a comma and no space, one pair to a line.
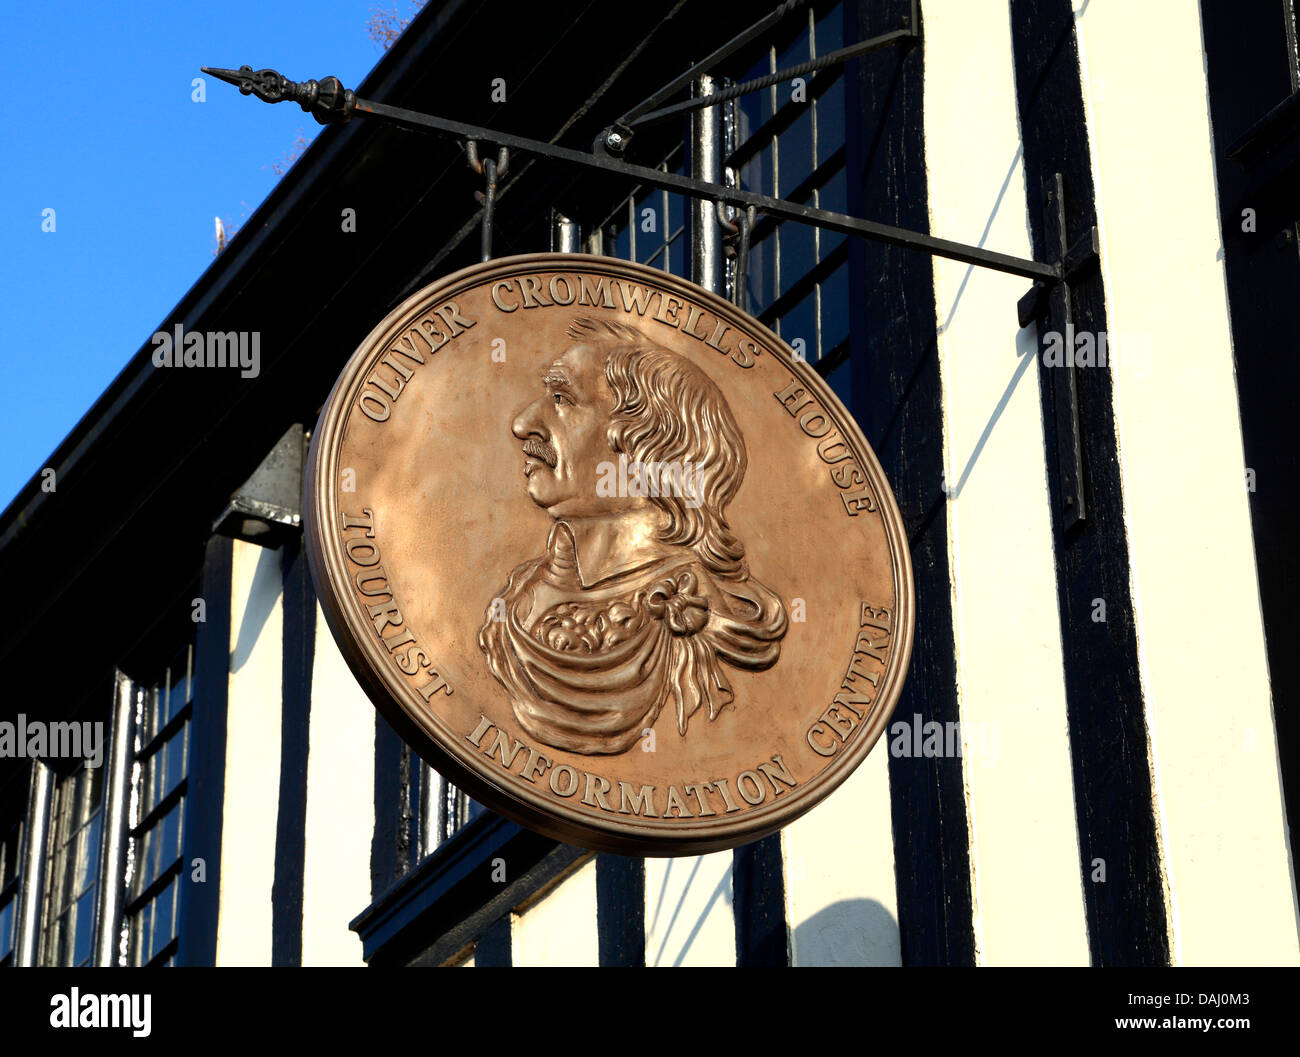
746,224
727,222
491,171
471,155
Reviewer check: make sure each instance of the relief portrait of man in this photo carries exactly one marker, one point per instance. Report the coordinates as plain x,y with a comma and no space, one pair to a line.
643,595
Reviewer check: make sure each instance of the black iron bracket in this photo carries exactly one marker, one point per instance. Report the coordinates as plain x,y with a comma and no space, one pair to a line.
327,101
1051,306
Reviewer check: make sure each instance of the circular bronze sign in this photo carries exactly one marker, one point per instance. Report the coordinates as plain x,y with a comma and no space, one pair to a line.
608,555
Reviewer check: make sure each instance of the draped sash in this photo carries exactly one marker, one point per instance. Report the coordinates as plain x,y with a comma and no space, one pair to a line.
596,668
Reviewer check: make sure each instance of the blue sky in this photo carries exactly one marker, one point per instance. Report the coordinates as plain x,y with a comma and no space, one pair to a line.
99,125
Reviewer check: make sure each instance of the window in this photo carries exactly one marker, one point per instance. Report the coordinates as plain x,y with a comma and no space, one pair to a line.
783,145
158,786
649,227
72,870
10,853
90,815
789,142
444,809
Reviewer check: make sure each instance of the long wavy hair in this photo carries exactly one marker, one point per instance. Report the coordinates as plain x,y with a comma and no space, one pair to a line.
667,410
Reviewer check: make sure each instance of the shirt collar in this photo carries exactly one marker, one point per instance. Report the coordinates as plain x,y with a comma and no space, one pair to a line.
607,546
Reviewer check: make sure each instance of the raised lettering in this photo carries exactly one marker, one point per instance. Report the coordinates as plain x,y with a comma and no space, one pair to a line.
638,802
536,763
400,640
758,795
791,396
476,735
676,803
367,523
850,701
848,475
412,660
400,368
357,543
435,337
433,686
721,785
825,448
854,502
380,384
693,315
871,647
499,746
842,725
600,293
411,352
745,353
667,311
377,409
815,414
571,781
816,746
635,298
372,575
531,285
876,617
777,769
505,285
383,614
452,319
567,299
596,788
714,340
698,792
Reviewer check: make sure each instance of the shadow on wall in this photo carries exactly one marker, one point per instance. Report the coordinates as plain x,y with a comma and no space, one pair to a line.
689,914
850,932
258,607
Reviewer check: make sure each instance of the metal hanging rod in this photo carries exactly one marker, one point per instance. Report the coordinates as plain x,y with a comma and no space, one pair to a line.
328,101
618,135
707,64
491,171
624,127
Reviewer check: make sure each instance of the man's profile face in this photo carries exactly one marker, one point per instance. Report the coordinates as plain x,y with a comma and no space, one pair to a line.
564,435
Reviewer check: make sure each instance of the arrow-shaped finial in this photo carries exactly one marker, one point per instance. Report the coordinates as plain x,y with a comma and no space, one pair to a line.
326,100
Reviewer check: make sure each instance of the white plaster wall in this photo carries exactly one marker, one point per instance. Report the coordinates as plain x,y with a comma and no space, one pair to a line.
689,920
1026,883
841,896
560,930
1213,756
252,785
340,808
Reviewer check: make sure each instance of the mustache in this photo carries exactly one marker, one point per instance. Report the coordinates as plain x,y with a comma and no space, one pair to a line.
540,449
